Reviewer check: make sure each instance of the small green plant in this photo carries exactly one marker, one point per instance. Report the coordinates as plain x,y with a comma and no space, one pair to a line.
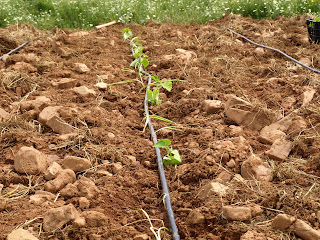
173,157
141,62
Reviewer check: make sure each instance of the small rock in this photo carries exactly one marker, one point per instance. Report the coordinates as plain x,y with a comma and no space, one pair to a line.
57,217
195,217
30,161
307,96
255,168
225,176
305,61
111,135
64,177
288,102
23,67
269,137
52,171
69,191
235,131
225,158
298,124
87,188
141,237
94,218
77,164
81,68
236,213
213,188
259,51
41,196
101,85
280,150
3,204
115,167
253,235
4,115
256,210
21,234
185,54
282,221
84,203
47,113
79,34
65,83
84,91
59,126
244,113
79,222
305,231
212,106
231,163
39,103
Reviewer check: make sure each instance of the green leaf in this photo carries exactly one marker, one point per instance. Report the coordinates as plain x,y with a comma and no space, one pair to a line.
149,95
155,78
162,143
173,159
134,63
317,19
167,85
160,118
145,62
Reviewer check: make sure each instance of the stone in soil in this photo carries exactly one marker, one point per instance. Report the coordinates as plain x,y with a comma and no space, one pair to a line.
141,237
212,106
305,231
101,85
41,196
52,171
307,96
213,188
253,235
23,67
64,177
59,126
56,218
65,83
282,221
84,203
84,91
237,213
3,204
47,113
4,115
21,234
30,161
84,187
81,68
244,113
195,217
280,150
77,164
39,103
94,218
255,168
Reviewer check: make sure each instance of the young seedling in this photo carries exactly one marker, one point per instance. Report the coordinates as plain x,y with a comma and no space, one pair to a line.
173,157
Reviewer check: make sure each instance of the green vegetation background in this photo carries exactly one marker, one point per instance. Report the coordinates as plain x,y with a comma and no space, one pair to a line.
46,14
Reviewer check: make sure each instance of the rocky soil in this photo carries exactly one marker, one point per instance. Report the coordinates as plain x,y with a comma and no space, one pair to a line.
77,163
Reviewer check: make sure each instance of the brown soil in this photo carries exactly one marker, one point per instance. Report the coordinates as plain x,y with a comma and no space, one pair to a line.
224,64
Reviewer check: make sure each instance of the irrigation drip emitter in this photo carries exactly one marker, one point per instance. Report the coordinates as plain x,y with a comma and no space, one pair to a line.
274,49
167,200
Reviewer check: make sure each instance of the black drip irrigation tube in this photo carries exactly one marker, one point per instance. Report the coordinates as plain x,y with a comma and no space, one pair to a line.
23,44
167,200
274,49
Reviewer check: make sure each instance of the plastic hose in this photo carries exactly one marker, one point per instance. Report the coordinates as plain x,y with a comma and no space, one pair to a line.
23,44
174,229
260,45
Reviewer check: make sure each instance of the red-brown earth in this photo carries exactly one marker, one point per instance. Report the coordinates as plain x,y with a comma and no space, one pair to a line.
108,127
